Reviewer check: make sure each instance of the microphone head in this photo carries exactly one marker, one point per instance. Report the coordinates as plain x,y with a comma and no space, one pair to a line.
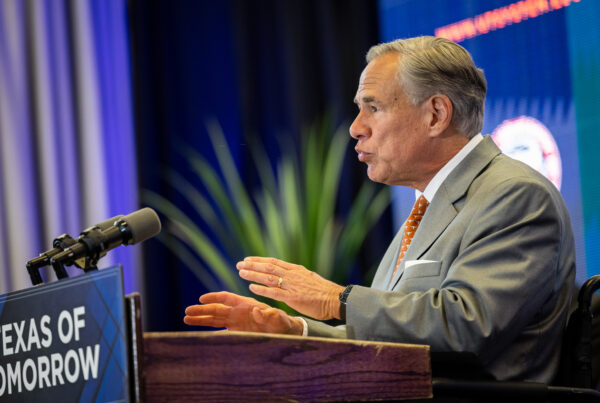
143,224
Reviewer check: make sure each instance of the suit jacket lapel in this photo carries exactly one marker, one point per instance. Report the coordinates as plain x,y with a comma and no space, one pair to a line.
381,281
442,210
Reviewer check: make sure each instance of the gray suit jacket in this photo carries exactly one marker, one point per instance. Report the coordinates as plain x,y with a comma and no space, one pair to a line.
489,271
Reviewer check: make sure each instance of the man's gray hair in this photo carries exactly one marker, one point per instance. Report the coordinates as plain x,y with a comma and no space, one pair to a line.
429,65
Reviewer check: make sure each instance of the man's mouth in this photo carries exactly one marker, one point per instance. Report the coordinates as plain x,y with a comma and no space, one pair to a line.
362,155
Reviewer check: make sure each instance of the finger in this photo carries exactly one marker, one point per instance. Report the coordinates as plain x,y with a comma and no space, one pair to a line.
269,319
213,297
228,298
257,315
274,320
271,314
266,279
204,321
274,261
269,292
217,310
261,267
193,310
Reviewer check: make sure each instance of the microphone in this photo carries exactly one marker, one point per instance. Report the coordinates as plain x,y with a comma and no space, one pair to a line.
63,242
95,243
60,243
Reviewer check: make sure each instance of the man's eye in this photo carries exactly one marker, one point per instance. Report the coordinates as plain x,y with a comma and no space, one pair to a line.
374,108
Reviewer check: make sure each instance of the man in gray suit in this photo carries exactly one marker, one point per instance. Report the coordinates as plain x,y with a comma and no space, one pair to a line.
490,267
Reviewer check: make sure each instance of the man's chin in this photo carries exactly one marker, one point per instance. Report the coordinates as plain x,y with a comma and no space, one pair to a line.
373,175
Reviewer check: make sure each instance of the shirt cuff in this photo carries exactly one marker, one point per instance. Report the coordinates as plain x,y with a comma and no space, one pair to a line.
304,327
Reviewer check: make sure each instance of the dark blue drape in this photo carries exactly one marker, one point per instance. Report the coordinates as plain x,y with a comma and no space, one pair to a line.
261,69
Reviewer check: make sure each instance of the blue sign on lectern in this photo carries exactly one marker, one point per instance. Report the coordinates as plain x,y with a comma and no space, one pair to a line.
65,341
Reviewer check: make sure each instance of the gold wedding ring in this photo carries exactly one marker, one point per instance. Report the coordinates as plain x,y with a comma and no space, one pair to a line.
279,282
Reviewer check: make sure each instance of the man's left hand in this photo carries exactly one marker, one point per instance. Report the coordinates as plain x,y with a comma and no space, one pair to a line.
300,288
234,312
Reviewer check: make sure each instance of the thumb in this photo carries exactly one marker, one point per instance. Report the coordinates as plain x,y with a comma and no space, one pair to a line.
257,315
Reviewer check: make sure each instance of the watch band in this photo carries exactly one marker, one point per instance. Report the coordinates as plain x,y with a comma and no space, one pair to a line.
343,298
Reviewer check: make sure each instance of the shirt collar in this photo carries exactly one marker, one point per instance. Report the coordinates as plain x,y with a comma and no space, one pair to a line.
442,174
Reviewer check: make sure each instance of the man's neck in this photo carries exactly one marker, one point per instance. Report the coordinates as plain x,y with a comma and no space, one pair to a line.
442,151
434,183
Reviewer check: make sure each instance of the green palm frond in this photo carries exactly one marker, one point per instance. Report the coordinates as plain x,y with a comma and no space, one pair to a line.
291,215
191,235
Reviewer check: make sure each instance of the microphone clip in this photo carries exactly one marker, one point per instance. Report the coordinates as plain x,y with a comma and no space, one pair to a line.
59,244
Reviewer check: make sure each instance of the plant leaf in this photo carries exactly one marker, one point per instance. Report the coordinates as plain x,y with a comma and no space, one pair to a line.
197,240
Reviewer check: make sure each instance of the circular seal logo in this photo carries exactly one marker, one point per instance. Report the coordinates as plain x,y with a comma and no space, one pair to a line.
527,139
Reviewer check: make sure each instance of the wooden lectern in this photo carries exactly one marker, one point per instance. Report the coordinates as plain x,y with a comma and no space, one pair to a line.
254,367
237,366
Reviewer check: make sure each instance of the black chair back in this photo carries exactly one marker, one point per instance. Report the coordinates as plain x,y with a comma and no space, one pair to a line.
579,366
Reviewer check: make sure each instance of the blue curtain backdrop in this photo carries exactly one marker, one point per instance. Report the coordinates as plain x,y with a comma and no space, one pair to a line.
67,149
584,61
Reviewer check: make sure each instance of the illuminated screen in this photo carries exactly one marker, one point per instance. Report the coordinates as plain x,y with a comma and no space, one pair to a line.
527,50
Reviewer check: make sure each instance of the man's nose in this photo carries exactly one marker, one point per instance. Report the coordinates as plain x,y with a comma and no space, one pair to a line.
358,128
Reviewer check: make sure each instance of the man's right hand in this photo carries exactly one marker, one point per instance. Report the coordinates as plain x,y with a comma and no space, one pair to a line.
234,312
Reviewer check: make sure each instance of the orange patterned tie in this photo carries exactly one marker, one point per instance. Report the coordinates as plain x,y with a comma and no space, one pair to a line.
410,227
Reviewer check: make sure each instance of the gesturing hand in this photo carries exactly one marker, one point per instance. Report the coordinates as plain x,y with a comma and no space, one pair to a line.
234,312
300,288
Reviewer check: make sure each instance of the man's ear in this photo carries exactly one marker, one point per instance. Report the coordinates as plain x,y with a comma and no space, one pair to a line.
440,111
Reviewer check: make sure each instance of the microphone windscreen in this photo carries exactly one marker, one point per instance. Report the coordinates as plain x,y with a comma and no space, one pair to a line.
143,224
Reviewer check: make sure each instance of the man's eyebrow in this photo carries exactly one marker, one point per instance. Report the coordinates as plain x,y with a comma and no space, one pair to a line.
365,100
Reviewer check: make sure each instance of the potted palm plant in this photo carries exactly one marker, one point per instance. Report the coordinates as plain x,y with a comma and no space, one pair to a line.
291,215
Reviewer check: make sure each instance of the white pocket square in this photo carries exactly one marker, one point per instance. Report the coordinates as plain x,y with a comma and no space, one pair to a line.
410,263
421,268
